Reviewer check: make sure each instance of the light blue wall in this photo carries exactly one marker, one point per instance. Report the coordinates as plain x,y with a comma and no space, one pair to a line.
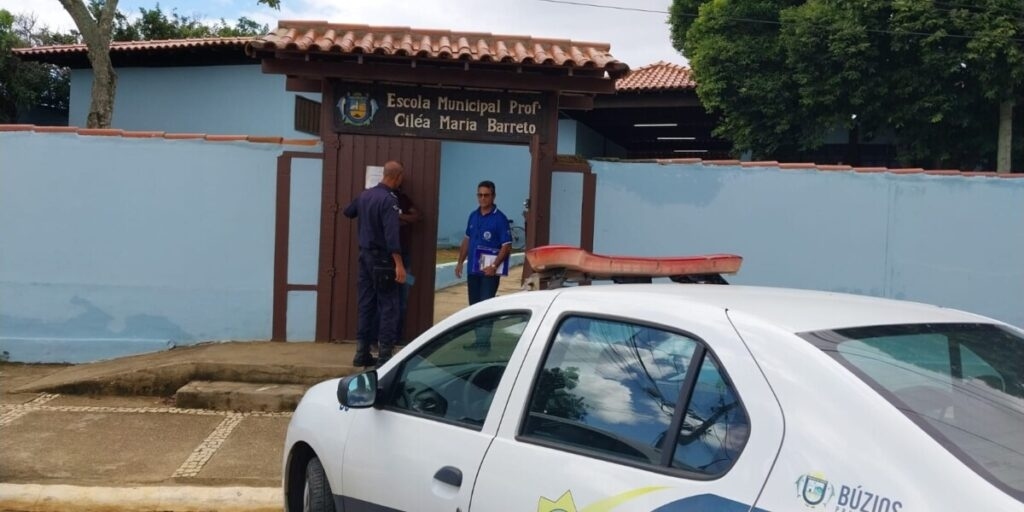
566,137
566,208
952,241
304,246
463,166
114,246
237,100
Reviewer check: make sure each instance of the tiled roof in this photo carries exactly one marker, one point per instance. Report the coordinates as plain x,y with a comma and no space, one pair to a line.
109,132
134,46
660,76
327,38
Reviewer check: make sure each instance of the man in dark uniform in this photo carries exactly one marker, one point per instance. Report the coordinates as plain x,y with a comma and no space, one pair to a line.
381,269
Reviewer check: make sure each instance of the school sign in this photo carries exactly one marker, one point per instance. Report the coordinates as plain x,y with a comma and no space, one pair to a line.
438,113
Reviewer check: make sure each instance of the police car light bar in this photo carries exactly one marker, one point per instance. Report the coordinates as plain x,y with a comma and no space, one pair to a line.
568,263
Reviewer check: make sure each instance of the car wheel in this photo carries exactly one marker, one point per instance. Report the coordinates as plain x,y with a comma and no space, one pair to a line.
316,495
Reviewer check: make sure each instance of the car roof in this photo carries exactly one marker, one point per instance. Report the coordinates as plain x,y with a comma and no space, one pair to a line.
793,310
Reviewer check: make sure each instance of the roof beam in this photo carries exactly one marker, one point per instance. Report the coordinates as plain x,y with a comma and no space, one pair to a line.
575,102
475,78
648,99
295,84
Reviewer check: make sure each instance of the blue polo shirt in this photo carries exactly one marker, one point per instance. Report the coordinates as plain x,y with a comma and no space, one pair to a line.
377,210
489,230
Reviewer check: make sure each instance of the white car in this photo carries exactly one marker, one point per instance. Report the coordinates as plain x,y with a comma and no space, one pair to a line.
675,397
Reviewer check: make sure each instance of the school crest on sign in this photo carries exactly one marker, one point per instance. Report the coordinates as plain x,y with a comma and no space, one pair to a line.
357,109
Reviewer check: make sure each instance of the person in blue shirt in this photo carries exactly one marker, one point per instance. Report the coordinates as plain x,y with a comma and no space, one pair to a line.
487,232
381,269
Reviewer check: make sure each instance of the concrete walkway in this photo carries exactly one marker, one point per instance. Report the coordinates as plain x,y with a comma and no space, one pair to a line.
135,451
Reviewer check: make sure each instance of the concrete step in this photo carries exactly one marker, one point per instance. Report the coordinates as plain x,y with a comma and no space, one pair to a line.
160,374
239,396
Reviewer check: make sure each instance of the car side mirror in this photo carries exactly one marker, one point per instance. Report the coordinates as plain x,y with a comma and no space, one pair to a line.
358,391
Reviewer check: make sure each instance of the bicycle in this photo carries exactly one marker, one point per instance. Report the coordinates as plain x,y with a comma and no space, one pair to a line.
518,236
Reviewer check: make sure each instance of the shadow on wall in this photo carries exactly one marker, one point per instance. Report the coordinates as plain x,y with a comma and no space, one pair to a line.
34,339
93,322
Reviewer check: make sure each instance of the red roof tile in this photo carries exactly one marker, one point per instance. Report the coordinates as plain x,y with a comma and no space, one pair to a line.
113,132
660,76
328,38
131,46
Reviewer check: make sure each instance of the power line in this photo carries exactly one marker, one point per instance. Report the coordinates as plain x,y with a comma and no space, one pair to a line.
771,22
996,7
603,6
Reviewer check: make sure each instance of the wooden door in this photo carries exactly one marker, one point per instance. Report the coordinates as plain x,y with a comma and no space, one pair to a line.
345,166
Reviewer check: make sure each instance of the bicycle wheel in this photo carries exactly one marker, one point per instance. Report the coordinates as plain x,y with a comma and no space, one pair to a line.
518,238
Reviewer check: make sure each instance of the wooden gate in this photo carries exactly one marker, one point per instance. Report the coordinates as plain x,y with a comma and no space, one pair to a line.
346,158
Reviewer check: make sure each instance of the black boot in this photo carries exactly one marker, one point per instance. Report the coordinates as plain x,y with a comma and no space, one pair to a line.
363,356
385,355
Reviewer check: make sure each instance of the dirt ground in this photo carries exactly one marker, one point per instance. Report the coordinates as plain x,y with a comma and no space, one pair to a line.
447,255
14,375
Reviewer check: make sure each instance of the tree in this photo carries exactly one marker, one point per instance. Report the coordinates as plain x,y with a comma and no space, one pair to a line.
987,49
96,30
96,26
837,67
25,84
154,24
740,68
937,77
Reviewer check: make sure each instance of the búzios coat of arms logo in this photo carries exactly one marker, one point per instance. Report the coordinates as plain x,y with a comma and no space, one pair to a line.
357,109
815,490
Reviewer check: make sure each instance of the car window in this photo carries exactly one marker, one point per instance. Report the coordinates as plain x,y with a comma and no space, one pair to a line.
611,388
715,427
963,383
454,377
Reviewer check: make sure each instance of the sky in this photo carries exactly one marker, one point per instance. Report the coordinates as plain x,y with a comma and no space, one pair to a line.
636,38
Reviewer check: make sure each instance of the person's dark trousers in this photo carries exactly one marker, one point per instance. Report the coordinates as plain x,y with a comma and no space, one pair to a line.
481,287
378,307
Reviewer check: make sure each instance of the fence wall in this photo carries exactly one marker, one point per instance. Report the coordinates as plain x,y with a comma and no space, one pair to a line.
113,245
955,241
116,245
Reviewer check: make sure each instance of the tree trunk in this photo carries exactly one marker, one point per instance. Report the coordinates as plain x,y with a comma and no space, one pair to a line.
104,87
853,146
96,33
1003,162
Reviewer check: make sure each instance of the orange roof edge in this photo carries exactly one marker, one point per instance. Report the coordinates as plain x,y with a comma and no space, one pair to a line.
108,132
113,132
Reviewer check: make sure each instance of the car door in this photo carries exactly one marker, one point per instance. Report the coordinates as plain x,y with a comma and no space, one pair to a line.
633,406
421,449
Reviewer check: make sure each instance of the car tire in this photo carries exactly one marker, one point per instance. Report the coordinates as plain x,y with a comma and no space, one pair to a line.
316,493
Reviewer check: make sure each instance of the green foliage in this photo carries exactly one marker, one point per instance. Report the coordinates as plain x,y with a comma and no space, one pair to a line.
784,74
155,24
25,84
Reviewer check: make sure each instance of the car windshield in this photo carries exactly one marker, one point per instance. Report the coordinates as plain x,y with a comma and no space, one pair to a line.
962,383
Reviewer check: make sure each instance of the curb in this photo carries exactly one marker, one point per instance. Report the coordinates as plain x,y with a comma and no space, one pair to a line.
444,275
72,498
